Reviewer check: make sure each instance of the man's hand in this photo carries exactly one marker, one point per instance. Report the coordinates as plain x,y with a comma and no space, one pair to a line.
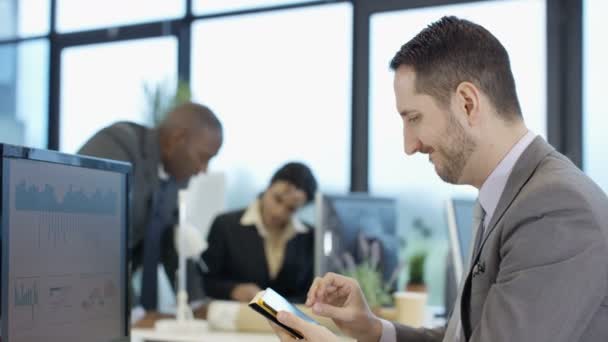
244,292
341,299
311,332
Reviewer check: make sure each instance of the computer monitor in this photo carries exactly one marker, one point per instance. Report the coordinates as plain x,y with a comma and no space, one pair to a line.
64,222
342,219
460,222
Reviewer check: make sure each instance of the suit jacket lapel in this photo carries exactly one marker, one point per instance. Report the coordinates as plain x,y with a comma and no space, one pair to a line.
522,171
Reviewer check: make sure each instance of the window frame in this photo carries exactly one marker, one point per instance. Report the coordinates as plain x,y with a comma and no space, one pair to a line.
564,66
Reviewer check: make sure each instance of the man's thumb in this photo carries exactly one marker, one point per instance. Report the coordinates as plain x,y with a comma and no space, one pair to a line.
333,312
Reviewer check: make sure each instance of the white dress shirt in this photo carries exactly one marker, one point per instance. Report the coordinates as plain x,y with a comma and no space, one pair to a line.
489,195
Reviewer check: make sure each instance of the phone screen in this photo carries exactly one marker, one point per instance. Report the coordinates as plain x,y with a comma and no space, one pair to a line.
277,303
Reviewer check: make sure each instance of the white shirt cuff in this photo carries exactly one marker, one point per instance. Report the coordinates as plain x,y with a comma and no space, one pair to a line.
389,333
137,313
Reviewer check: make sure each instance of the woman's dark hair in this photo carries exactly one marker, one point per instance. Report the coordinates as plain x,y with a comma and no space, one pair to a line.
300,176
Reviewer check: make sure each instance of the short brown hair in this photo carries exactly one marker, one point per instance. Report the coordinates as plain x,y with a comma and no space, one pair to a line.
453,50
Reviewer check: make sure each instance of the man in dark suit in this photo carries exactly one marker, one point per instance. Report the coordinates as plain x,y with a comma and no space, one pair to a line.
539,269
264,245
163,159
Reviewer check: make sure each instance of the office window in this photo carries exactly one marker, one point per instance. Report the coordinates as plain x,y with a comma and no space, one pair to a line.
24,73
595,114
281,94
24,18
102,84
76,15
217,6
413,179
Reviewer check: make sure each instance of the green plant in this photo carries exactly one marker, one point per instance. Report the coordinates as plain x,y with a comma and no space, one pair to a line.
369,278
161,98
369,274
416,268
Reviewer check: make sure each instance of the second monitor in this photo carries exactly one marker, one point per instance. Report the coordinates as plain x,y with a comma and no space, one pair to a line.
341,220
460,220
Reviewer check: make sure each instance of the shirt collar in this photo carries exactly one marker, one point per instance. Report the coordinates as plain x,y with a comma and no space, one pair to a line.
493,187
162,174
252,216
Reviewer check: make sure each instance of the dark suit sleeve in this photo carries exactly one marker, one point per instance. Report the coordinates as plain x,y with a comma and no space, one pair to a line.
216,286
105,144
113,143
409,334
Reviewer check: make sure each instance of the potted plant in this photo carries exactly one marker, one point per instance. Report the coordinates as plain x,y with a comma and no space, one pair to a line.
368,273
416,272
161,98
370,279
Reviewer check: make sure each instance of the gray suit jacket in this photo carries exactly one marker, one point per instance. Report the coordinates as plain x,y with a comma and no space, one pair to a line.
542,271
139,145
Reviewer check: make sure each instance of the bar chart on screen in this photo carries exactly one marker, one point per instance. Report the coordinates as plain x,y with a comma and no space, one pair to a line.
26,299
65,259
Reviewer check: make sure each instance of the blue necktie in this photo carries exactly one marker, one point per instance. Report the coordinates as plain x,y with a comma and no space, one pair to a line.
159,219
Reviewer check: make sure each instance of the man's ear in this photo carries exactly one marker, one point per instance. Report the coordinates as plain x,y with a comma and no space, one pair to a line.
176,139
468,102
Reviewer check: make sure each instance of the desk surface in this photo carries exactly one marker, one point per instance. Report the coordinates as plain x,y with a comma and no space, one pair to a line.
146,335
143,331
143,335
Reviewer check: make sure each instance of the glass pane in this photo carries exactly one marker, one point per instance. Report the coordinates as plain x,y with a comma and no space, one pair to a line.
102,84
24,73
422,194
24,18
595,121
218,6
281,94
75,15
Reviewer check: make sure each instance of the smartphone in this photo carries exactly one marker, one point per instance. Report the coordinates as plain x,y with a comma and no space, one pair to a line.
269,303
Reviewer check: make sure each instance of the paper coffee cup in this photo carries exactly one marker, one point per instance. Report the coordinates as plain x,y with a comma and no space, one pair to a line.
410,307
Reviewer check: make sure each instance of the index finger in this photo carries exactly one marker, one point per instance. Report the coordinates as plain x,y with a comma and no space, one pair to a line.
310,296
329,283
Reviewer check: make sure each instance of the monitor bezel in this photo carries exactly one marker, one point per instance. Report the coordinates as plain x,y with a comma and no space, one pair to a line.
455,242
8,151
455,245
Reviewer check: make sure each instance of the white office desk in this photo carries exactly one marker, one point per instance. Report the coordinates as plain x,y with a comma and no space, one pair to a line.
145,335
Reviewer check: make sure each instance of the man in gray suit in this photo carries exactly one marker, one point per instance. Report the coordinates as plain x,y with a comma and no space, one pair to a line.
163,159
540,262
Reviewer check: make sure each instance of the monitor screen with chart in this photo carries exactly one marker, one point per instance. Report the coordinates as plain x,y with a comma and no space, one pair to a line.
64,246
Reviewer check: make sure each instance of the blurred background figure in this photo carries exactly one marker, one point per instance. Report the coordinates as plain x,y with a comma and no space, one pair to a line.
163,159
264,245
